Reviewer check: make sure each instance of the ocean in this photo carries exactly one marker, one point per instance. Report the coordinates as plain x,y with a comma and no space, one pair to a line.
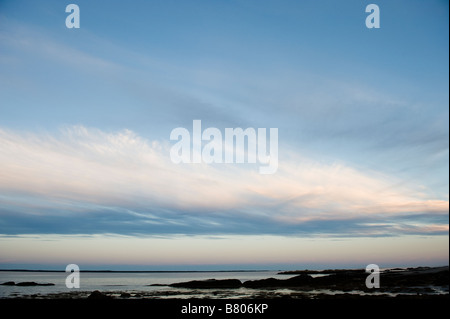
141,285
128,282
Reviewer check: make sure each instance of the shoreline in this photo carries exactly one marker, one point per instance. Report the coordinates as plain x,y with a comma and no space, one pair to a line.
403,283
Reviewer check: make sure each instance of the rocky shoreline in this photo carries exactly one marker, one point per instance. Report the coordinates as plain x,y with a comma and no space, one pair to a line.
410,283
345,280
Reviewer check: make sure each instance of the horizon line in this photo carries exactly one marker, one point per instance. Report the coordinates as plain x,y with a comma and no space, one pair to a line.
204,271
144,271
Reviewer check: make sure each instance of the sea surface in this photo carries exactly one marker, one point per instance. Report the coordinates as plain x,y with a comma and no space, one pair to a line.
130,282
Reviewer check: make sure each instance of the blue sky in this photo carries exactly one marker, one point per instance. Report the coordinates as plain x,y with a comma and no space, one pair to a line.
86,115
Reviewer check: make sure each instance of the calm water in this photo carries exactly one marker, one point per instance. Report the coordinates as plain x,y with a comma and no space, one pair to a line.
123,282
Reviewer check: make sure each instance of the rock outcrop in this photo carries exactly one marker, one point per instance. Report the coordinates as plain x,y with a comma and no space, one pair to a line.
209,284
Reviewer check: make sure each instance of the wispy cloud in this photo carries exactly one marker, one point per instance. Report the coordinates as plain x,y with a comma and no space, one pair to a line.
85,180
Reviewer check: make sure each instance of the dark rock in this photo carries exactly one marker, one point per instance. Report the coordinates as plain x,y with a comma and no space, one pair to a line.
408,280
342,281
300,280
209,284
158,285
324,272
125,295
27,284
420,276
300,272
98,295
297,281
269,282
32,283
9,283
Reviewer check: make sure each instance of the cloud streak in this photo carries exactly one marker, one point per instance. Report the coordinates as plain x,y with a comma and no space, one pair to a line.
86,181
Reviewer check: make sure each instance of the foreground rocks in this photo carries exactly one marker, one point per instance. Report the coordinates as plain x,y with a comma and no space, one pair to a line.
98,295
398,280
347,280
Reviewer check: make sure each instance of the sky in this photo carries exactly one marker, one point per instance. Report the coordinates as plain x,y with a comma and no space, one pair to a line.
86,115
